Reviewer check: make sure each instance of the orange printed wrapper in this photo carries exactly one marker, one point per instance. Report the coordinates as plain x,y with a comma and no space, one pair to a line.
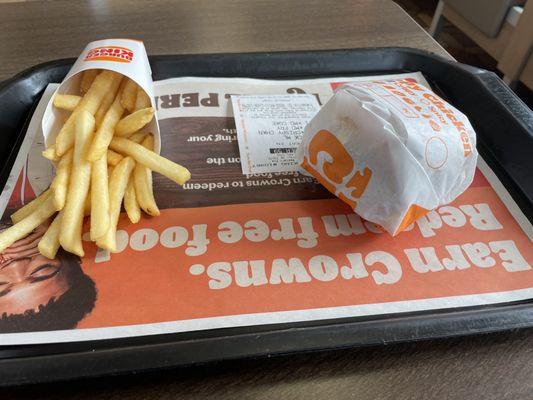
127,57
392,149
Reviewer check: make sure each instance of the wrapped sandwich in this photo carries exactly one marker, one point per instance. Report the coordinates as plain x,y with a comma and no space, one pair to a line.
392,149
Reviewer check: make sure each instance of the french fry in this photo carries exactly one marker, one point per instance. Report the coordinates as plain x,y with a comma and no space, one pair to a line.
129,95
33,205
142,180
105,131
113,158
80,179
50,153
142,100
151,160
107,101
99,197
31,221
117,187
87,79
87,205
134,122
49,243
149,142
90,103
66,101
60,183
137,137
130,203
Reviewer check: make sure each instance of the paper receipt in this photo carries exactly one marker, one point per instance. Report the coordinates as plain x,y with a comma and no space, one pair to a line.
270,128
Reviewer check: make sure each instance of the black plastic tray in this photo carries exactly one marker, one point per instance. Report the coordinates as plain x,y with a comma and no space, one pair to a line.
504,125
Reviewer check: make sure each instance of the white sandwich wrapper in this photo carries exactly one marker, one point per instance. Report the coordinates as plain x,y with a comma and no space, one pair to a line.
125,56
391,149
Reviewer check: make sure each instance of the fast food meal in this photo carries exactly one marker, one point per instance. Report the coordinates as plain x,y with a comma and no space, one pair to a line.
103,159
392,149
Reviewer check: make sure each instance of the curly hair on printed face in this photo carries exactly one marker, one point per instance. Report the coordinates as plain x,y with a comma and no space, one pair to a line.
59,313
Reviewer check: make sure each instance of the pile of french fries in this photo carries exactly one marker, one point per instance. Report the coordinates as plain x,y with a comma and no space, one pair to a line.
102,160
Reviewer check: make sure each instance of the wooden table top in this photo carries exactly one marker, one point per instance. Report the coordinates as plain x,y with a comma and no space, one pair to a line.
495,366
37,31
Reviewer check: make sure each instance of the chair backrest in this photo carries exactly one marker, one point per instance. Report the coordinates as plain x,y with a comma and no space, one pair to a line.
486,15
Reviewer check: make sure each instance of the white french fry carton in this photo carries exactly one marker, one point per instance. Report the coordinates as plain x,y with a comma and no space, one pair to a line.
392,149
127,57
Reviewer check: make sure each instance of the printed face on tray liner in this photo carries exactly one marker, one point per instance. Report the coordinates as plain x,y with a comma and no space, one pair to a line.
37,293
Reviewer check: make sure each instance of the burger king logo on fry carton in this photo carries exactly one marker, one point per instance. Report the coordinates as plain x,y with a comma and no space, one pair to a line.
110,53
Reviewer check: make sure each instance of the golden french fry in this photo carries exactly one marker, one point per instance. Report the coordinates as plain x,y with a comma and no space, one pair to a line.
33,205
49,243
142,180
113,158
31,221
90,103
142,100
87,79
117,187
105,130
80,179
149,142
137,137
130,203
129,95
60,183
107,101
50,153
87,205
66,101
134,122
99,197
151,160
